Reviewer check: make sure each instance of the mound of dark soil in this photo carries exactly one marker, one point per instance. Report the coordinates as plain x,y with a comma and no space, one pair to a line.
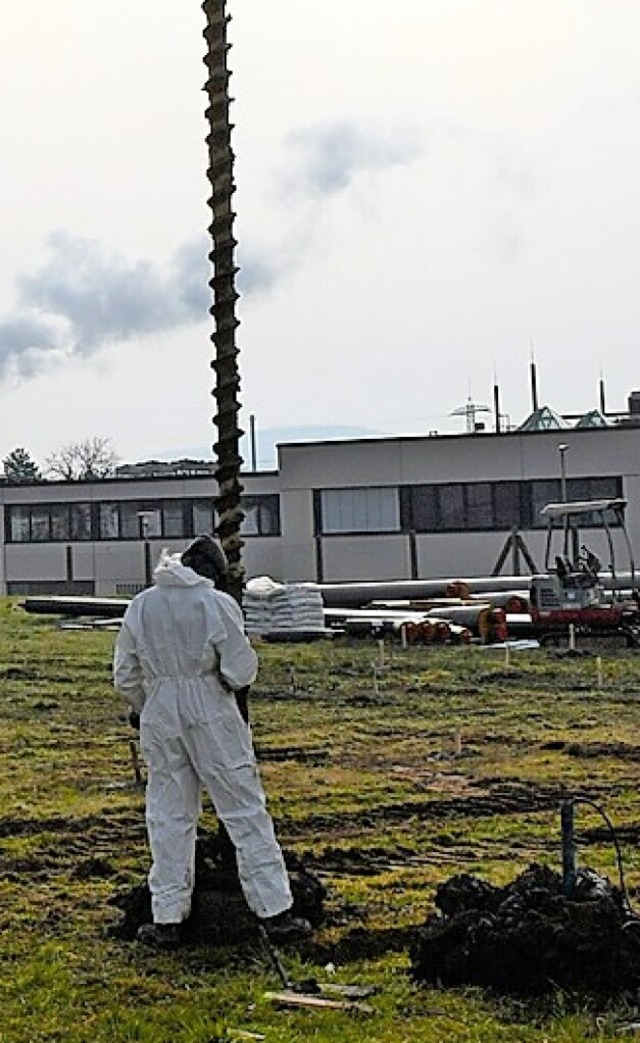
527,937
219,913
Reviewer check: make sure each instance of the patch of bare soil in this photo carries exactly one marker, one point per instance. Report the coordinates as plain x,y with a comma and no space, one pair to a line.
17,673
292,753
628,835
220,916
362,861
621,750
219,913
82,847
362,944
92,826
527,937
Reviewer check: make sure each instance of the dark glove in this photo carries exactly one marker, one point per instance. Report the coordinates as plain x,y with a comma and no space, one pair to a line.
134,720
242,700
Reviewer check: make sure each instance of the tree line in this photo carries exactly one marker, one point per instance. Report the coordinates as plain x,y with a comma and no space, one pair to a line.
86,460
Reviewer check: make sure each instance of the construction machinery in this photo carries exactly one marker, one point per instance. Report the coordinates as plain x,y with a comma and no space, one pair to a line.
572,593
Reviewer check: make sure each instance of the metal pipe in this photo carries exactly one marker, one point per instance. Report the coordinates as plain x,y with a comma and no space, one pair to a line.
252,441
612,562
562,449
534,385
632,565
567,826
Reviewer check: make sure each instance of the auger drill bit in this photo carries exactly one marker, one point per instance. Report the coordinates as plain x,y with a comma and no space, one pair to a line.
225,361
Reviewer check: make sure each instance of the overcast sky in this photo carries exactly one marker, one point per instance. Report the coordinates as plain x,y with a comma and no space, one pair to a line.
428,191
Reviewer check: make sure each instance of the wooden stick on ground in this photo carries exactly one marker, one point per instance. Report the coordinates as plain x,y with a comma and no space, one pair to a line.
299,999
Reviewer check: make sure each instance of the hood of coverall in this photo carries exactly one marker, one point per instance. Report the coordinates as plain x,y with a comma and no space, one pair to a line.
170,572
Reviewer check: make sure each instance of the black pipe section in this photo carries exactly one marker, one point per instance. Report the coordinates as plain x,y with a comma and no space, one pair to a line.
534,385
567,826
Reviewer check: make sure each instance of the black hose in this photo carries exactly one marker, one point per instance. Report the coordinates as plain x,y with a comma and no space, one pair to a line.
614,838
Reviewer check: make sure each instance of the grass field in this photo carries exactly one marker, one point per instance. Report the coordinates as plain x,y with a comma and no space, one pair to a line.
386,777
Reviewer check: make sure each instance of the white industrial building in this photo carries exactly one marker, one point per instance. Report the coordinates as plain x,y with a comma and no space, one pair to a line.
367,509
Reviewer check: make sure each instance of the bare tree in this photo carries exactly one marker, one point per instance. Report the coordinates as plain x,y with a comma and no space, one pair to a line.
20,468
92,458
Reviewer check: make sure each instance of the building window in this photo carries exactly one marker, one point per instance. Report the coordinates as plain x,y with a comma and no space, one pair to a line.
60,522
173,519
203,515
479,506
594,488
544,491
451,499
48,522
19,527
497,506
420,508
129,521
40,526
541,492
139,520
149,521
109,521
360,510
81,521
261,515
507,505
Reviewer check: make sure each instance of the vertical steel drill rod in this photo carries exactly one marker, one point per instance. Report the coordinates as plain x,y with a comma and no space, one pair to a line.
226,389
567,808
225,360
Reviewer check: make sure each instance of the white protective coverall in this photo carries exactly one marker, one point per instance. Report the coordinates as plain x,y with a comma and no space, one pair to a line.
179,655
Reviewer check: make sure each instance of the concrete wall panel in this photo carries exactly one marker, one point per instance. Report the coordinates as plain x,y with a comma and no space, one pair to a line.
368,558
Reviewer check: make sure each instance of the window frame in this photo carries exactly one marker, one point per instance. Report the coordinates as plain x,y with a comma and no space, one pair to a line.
363,492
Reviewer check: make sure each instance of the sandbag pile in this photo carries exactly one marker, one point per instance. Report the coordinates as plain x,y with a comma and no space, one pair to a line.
273,607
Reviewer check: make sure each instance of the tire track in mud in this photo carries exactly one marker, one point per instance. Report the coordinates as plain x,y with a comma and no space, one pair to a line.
334,862
500,799
278,754
621,750
105,826
82,847
496,798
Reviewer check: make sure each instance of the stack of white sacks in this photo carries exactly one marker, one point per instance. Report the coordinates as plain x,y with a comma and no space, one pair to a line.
272,606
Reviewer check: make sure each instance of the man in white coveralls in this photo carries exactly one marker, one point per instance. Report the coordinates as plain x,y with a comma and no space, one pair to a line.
180,656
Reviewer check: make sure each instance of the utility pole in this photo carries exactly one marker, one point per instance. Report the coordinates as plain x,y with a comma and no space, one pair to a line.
225,361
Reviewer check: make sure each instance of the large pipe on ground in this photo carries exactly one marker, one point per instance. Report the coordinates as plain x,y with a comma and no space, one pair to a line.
357,594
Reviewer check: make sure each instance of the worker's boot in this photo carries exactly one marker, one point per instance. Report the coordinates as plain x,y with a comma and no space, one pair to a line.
285,927
160,935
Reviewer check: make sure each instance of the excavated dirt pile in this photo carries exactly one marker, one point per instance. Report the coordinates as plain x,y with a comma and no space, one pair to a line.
219,913
527,937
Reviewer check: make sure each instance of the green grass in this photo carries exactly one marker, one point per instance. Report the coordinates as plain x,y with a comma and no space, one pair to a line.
363,783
